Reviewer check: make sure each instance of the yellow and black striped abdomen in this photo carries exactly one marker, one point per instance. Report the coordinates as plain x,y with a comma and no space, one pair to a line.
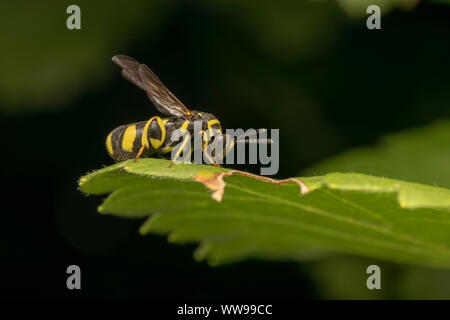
125,141
153,136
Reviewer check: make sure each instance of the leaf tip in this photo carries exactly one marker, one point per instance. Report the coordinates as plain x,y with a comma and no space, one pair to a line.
147,226
82,181
143,230
201,252
172,237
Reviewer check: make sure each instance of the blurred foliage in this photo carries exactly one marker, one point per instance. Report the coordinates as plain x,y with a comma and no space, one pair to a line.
419,155
45,65
310,68
286,29
350,213
344,277
357,8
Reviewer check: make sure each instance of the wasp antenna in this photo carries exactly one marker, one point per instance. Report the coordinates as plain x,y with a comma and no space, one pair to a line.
244,135
258,141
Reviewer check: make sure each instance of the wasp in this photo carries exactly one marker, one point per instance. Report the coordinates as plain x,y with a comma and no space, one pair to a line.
152,137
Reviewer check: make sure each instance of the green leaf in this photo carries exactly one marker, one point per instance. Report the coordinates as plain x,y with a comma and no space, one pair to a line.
419,155
343,213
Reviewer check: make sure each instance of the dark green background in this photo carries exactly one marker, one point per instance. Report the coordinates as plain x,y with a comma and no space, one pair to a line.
306,67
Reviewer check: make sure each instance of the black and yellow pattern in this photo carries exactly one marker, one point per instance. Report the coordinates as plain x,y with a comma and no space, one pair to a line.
154,136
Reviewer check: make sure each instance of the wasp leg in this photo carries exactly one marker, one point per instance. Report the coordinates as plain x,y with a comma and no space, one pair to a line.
204,145
177,154
139,153
210,159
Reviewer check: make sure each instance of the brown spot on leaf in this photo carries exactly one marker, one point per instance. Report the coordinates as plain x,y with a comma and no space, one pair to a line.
214,181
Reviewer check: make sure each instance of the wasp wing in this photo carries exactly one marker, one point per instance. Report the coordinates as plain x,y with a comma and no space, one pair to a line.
141,76
162,98
130,70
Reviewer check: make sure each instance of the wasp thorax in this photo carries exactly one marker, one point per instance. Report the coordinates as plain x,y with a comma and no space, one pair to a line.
207,118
